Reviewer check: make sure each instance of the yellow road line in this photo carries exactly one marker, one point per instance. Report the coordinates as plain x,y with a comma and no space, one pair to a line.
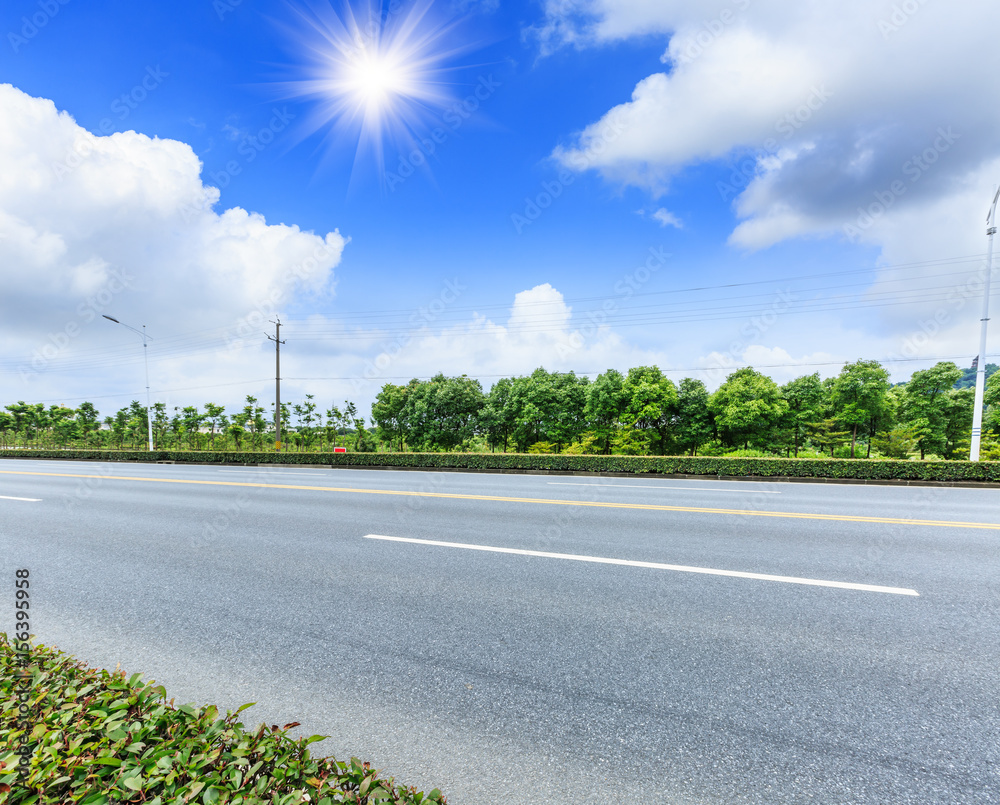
844,518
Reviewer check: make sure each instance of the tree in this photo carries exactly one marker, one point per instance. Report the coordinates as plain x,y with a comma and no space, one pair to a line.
253,416
652,400
362,442
333,417
747,407
119,427
6,429
497,419
443,413
237,427
570,400
88,421
824,434
534,403
958,408
898,442
211,415
991,399
60,425
389,413
191,419
20,414
305,415
805,397
693,421
925,405
606,403
860,396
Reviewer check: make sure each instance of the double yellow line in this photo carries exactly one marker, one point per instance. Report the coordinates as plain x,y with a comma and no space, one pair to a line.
843,518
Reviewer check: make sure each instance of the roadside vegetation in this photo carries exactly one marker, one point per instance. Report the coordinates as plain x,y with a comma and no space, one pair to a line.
857,414
97,738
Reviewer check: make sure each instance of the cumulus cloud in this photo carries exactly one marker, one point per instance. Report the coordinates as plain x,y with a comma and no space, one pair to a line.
834,103
124,225
539,330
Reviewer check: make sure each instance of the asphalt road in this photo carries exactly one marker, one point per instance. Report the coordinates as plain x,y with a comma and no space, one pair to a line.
510,677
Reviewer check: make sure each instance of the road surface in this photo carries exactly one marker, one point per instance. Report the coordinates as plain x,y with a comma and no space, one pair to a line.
544,639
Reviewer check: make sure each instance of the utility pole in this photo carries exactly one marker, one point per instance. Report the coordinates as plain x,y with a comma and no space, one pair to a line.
977,411
277,381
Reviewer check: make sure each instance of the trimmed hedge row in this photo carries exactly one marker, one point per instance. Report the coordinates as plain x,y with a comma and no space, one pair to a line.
96,738
834,468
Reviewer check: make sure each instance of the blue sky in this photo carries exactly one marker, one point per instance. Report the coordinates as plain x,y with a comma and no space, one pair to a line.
806,115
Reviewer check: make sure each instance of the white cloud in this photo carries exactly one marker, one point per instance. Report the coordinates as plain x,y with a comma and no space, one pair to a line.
833,101
124,225
538,331
666,218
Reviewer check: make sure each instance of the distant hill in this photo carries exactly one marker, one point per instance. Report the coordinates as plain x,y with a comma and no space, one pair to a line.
968,378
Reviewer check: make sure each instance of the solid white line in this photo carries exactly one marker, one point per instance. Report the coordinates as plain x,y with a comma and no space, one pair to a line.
29,500
686,488
843,585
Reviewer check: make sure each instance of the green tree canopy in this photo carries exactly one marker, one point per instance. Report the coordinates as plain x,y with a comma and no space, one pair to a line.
606,404
991,398
747,407
805,397
652,402
389,413
860,396
443,412
925,405
693,421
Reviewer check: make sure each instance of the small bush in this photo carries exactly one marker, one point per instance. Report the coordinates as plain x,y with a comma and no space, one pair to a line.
97,738
748,452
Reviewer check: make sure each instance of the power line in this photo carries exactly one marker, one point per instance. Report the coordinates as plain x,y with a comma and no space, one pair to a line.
188,344
621,321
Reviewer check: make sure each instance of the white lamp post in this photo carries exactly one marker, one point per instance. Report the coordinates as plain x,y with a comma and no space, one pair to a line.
149,412
977,412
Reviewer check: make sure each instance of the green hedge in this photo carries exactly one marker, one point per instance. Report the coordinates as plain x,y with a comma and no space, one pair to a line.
97,738
832,468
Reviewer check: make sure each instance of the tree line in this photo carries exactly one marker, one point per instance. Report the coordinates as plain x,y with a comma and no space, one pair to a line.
642,412
858,413
211,428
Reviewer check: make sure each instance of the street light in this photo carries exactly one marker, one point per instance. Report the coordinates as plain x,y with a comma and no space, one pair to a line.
977,412
145,359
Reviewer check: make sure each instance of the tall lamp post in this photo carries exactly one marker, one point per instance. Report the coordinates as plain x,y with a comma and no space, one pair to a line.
977,412
145,359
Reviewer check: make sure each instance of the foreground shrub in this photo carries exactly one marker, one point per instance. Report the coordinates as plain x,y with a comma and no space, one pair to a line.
97,738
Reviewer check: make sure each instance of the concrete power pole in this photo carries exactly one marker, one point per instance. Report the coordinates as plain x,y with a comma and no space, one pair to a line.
977,411
277,382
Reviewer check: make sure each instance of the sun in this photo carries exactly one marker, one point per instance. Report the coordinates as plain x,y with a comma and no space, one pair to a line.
376,75
377,80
